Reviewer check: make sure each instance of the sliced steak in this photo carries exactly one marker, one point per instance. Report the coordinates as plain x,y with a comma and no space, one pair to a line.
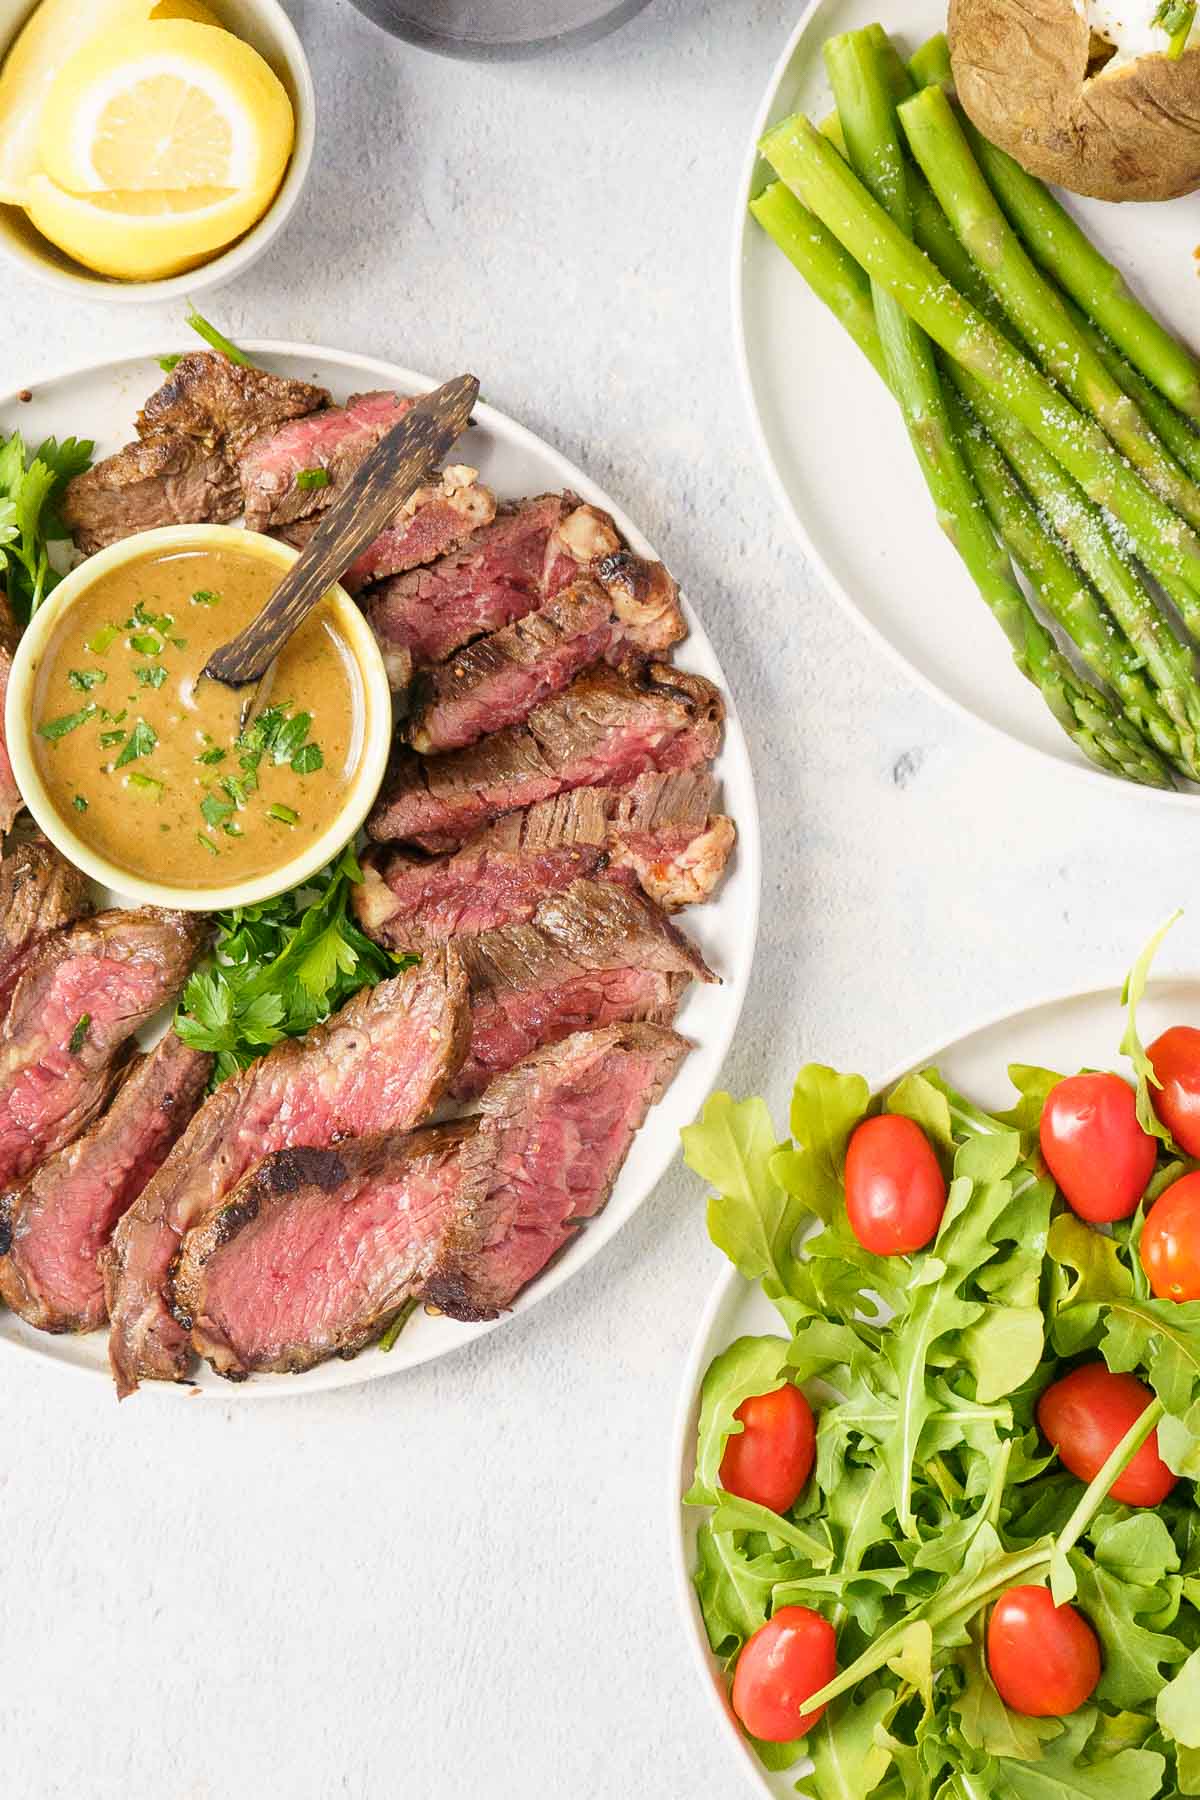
10,794
162,480
659,833
595,955
80,996
53,1229
604,731
553,1134
531,551
498,680
316,1252
39,892
335,441
224,405
378,1065
439,519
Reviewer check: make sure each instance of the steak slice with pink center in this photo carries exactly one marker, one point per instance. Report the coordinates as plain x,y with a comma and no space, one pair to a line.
315,1253
53,1229
595,955
605,730
39,892
660,833
81,995
498,680
527,555
553,1135
329,444
378,1065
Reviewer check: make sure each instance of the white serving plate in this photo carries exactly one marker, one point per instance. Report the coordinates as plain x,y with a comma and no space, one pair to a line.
101,402
1076,1030
833,444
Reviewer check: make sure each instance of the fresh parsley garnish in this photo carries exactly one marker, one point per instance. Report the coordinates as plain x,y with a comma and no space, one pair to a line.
215,755
31,492
285,815
79,803
153,676
79,1035
145,644
146,784
291,734
53,729
281,967
103,641
109,738
205,597
86,679
308,480
308,759
214,811
217,340
142,741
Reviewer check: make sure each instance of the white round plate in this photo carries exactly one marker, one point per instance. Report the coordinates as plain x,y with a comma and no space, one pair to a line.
101,402
1078,1030
833,443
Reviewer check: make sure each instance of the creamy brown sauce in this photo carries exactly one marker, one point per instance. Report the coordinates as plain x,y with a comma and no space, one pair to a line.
143,759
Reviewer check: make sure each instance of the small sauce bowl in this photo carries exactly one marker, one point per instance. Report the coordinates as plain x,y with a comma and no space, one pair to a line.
361,788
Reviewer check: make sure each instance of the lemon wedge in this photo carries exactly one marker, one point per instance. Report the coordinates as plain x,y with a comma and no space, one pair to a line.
166,106
54,33
142,236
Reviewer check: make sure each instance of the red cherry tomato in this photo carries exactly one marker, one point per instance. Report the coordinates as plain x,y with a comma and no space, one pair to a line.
1175,1059
1085,1416
772,1458
1044,1659
790,1657
1094,1147
1171,1241
895,1189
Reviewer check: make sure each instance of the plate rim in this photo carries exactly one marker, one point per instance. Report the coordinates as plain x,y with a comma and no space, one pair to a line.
699,1352
739,276
335,1376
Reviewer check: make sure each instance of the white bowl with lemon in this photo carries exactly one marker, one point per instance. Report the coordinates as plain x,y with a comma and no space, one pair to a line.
148,148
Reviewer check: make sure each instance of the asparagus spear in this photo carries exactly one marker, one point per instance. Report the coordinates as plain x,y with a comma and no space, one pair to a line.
930,65
939,143
936,237
1179,437
815,171
1065,252
1086,714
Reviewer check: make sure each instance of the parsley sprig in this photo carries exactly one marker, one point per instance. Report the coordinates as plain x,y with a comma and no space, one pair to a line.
31,491
281,967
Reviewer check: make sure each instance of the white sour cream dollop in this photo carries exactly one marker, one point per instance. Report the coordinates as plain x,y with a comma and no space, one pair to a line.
1127,25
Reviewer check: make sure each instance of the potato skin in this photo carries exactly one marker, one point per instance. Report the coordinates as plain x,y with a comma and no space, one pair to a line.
1020,68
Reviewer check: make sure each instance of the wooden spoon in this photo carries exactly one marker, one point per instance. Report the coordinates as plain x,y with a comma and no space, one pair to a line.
373,496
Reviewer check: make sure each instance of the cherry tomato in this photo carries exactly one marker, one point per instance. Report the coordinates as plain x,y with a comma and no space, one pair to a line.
895,1189
770,1461
1175,1059
1094,1147
1171,1241
1085,1416
790,1657
1044,1659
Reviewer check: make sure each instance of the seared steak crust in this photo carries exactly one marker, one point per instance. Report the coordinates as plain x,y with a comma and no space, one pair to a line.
659,833
80,996
527,555
53,1228
166,479
553,1135
336,441
378,1065
605,730
375,1220
498,680
595,955
222,404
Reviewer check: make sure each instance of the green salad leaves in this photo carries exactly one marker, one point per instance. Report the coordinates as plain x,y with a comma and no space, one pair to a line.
933,1491
31,491
281,967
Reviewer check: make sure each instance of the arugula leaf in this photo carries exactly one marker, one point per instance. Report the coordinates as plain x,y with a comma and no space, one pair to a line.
1132,995
750,1217
1178,1706
749,1366
1062,1773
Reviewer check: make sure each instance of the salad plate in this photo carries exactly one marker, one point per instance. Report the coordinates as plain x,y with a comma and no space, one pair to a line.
100,402
1073,1031
834,446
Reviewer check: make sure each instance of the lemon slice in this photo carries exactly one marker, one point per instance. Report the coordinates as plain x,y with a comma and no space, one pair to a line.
167,105
55,32
142,236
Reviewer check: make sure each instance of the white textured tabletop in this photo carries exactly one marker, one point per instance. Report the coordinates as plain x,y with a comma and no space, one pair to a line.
458,1581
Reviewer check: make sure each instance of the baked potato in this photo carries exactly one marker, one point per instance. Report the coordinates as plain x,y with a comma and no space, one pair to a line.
1077,108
